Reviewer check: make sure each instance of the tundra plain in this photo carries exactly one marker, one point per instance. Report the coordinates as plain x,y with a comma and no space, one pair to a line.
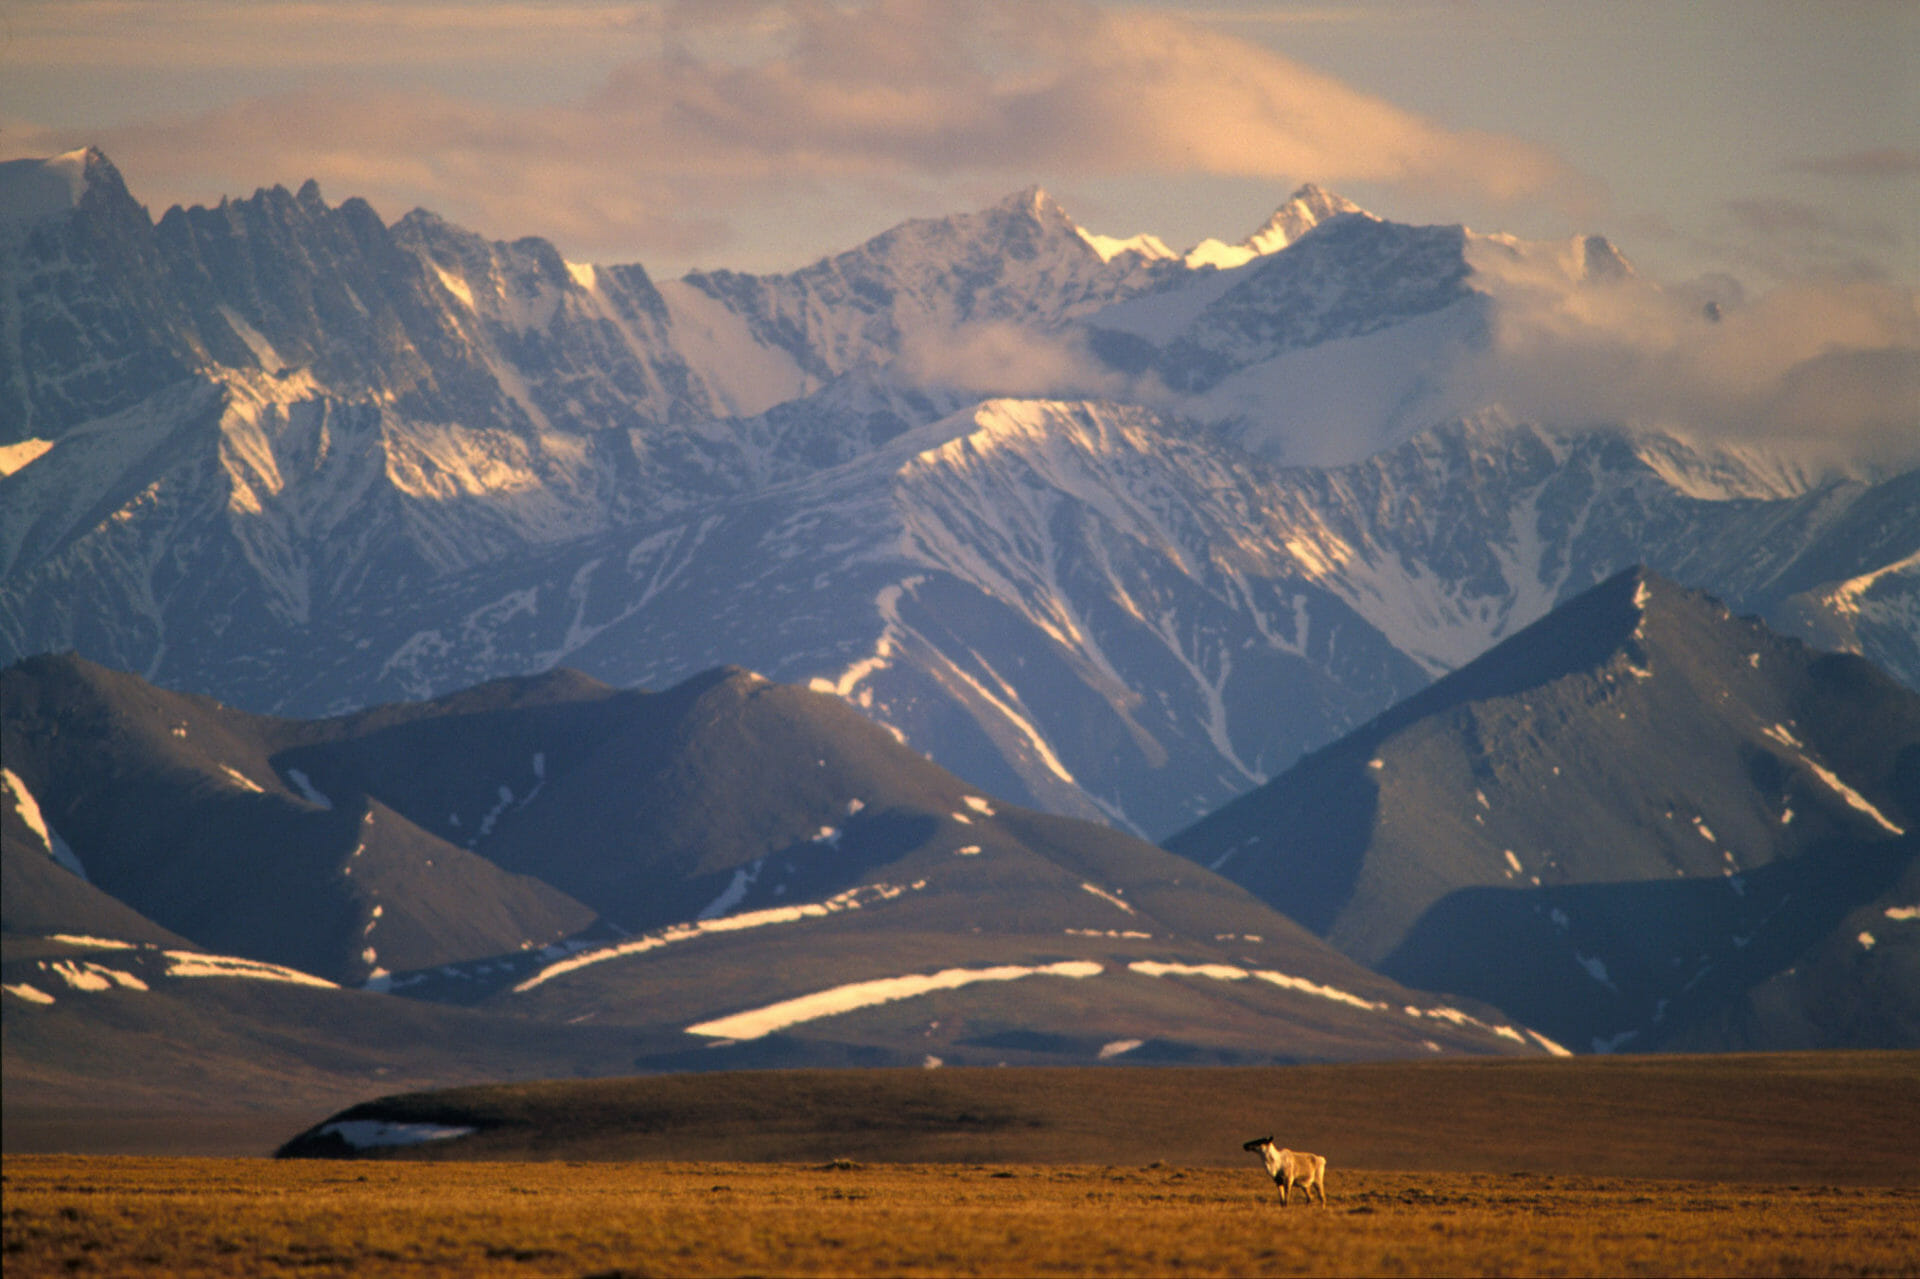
1773,1164
93,1215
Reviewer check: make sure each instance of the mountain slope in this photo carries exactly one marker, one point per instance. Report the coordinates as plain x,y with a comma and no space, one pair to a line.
179,808
1614,823
109,1035
279,453
1094,609
771,878
1022,262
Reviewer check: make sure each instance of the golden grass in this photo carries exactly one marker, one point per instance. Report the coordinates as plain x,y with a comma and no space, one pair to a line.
90,1215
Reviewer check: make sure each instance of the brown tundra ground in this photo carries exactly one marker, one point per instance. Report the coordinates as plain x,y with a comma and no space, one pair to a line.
106,1215
1785,1164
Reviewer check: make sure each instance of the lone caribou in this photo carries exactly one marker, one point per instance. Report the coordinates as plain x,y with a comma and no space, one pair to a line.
1289,1168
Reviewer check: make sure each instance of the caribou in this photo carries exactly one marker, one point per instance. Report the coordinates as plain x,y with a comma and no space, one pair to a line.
1290,1168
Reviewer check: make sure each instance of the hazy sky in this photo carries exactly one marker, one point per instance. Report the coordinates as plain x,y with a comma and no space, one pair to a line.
1764,139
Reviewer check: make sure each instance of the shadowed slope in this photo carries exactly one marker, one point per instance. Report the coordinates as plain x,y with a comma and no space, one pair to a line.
1612,824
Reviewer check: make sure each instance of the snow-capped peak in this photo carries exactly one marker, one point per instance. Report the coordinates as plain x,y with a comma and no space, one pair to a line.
1148,246
1034,203
1304,210
35,189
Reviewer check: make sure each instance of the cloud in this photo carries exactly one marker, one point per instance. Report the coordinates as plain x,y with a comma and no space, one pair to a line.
1881,162
1797,219
724,107
1828,369
1784,237
997,359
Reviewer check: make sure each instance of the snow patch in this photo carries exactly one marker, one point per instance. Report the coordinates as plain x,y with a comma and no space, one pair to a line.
1146,245
1232,972
304,784
1903,913
363,1134
735,892
852,899
32,994
263,351
89,976
1867,940
1596,969
189,963
494,814
241,780
756,1023
80,976
1779,733
15,456
453,284
967,850
29,809
96,943
1119,1048
1853,798
1615,1042
1106,896
978,805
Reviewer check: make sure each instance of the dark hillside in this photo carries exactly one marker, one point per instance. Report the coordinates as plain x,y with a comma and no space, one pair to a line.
1612,825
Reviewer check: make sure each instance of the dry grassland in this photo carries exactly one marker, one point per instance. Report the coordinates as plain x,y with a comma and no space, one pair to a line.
101,1216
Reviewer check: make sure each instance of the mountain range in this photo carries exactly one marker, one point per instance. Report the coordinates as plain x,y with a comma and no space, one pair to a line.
1108,530
382,608
731,872
1639,823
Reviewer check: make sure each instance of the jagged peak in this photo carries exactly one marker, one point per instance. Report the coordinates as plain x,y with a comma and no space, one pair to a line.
1305,209
33,189
1032,201
1033,207
1308,207
1602,261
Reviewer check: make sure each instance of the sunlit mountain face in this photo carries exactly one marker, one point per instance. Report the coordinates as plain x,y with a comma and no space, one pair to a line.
1114,530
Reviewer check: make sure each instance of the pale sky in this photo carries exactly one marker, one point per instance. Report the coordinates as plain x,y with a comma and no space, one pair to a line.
1763,139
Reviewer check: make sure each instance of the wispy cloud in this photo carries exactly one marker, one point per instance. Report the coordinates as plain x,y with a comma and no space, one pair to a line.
1830,368
1879,162
1799,218
720,105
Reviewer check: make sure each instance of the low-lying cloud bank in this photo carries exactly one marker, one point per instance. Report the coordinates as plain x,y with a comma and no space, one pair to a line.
1828,370
1826,373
